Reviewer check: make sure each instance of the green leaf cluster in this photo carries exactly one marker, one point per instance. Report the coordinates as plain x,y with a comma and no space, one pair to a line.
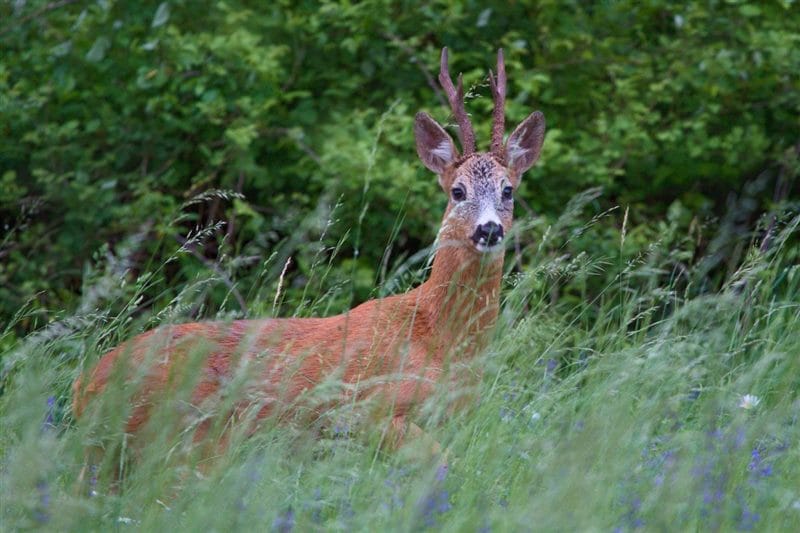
115,117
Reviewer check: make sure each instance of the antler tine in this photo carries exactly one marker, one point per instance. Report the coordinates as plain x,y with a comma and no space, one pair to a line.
498,85
456,98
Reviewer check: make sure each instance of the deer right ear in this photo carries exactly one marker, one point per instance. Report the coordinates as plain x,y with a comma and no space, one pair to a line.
525,144
434,146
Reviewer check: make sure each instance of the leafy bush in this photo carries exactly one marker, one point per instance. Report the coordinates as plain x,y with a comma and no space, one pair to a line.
113,115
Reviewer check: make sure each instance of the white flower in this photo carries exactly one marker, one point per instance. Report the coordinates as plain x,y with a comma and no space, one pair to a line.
749,401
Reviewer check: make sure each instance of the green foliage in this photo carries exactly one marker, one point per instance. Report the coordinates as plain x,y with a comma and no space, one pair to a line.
114,114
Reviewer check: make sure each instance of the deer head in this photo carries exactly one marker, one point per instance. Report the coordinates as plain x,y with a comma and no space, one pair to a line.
480,185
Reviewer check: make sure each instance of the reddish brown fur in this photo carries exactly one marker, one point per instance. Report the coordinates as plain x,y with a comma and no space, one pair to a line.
410,333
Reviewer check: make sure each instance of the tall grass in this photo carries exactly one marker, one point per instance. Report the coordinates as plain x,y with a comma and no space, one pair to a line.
645,405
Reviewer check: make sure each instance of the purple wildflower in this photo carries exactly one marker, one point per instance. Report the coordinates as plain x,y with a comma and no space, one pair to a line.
758,466
632,518
748,519
435,503
346,510
341,429
395,501
739,439
42,513
284,522
711,495
755,460
50,418
93,481
316,507
715,434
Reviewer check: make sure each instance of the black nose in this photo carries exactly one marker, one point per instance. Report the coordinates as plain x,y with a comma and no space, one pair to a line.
488,234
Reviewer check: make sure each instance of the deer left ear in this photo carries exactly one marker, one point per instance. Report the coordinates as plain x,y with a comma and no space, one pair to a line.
434,146
525,144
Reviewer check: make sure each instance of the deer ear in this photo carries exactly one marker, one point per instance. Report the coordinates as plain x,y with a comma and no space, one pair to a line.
434,146
525,144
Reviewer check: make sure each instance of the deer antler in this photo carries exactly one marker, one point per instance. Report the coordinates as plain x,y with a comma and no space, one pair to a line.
498,85
456,99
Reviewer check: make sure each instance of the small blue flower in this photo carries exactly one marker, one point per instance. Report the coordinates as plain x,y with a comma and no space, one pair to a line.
748,519
42,514
284,523
93,481
632,518
755,459
435,503
50,418
317,506
441,472
341,429
757,466
391,482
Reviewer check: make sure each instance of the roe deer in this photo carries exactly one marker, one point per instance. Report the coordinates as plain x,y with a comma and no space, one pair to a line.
421,337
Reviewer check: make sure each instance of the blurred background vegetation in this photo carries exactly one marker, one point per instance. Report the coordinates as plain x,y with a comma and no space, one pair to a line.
284,130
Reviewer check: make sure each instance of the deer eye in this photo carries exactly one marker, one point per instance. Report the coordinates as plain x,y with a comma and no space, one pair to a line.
508,192
458,193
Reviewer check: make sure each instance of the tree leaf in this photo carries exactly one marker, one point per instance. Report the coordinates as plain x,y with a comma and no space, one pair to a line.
61,49
98,50
162,15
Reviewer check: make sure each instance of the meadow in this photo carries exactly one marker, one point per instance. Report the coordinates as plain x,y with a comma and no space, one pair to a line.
651,406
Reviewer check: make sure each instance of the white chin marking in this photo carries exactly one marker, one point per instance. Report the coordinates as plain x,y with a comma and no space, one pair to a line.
482,248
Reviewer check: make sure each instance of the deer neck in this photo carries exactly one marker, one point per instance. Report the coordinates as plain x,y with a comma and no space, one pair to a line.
461,297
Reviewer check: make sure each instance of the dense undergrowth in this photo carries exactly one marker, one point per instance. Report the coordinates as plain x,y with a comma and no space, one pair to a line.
651,405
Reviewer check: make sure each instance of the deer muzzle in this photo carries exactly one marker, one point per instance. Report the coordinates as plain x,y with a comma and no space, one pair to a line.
487,235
